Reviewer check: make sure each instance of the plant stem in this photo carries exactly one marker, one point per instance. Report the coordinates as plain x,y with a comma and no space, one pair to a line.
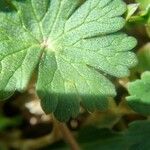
68,137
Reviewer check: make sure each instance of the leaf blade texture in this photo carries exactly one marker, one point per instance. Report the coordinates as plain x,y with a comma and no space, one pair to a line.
144,58
139,90
73,45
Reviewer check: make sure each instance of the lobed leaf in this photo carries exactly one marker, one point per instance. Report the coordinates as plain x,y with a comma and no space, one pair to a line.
139,98
70,44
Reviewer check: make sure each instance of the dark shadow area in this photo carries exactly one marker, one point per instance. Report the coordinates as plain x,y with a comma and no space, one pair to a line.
38,130
6,6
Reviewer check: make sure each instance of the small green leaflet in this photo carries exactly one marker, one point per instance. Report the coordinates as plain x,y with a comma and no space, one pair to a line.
131,9
68,42
139,90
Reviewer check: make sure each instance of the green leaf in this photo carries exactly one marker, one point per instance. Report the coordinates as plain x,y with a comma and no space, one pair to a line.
131,9
145,13
138,135
142,16
94,138
101,138
139,98
144,58
144,4
73,47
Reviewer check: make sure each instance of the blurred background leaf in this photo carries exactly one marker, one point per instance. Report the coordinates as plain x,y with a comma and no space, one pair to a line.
9,122
144,58
144,4
138,135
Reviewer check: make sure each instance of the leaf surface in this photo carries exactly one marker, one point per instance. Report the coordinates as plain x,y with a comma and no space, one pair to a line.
72,45
136,137
144,58
139,90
